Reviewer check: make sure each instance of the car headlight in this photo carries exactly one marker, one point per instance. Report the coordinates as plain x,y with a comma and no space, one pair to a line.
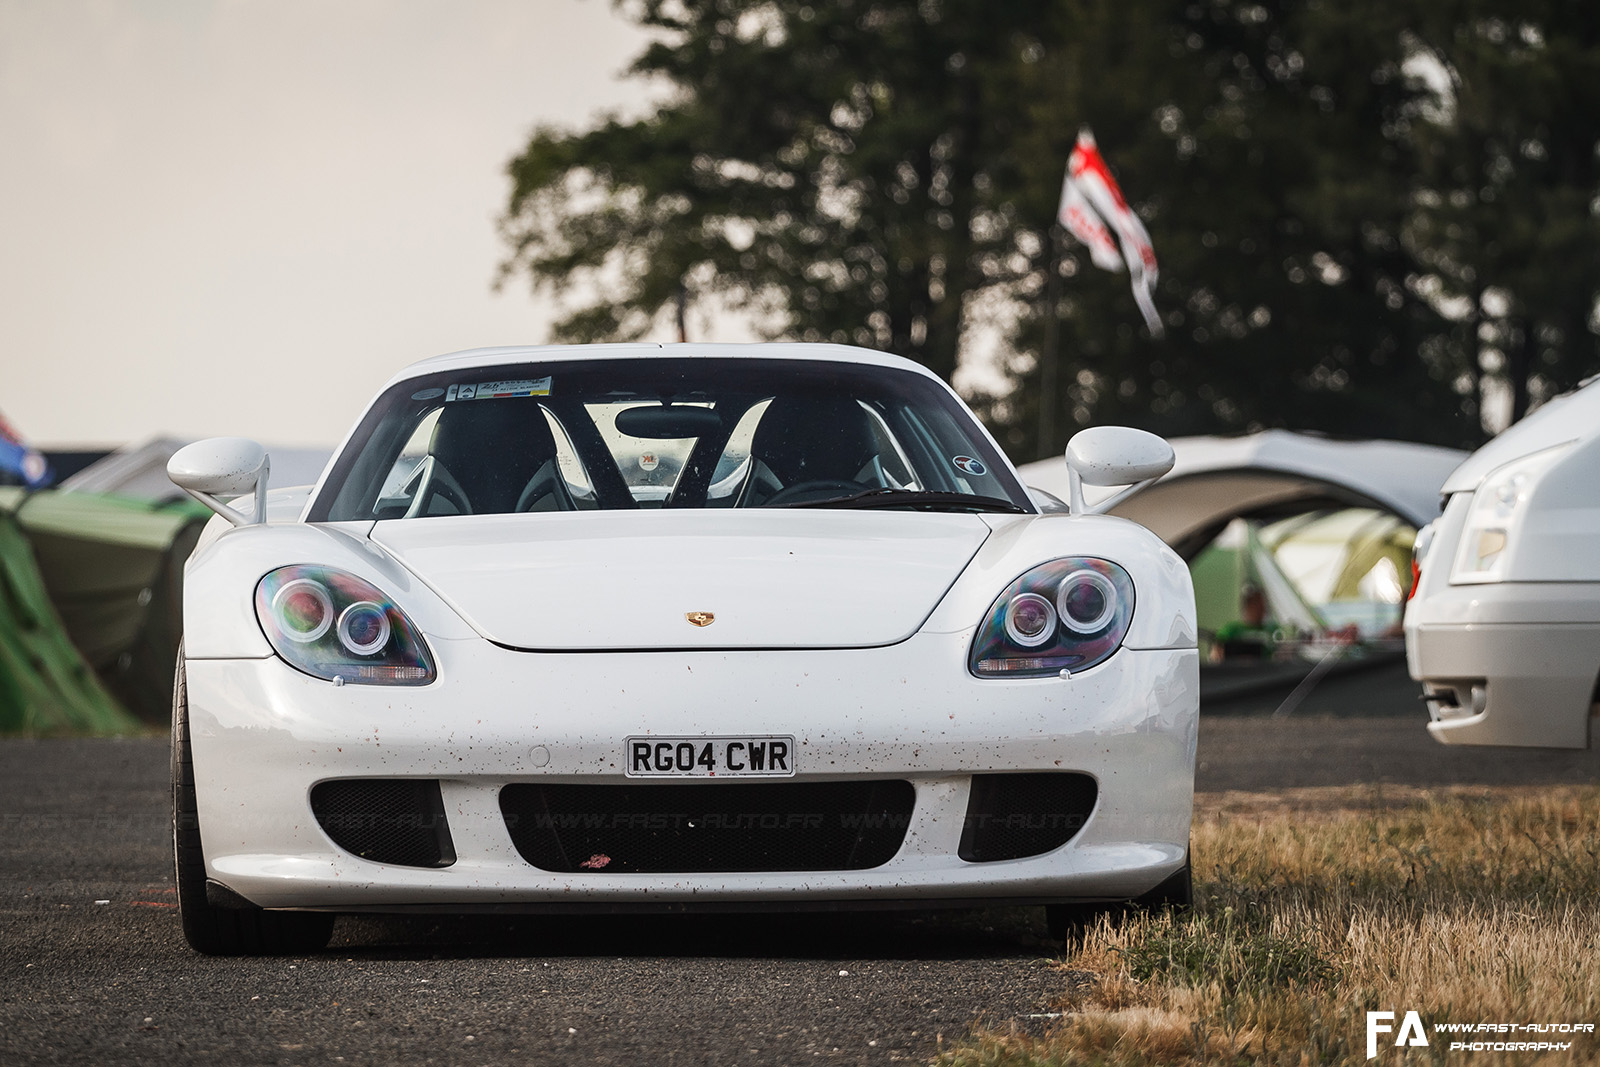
1069,614
1498,509
333,625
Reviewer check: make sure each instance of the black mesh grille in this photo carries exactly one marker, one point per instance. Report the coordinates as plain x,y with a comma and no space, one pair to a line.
689,828
388,820
1015,815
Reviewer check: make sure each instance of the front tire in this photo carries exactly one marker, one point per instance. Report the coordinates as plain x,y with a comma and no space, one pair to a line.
245,930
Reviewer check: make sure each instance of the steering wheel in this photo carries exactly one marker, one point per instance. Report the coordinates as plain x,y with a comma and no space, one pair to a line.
436,481
820,489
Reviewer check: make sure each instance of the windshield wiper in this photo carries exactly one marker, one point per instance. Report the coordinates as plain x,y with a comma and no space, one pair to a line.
921,499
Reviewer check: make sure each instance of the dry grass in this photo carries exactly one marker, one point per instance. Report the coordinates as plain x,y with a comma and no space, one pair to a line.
1467,906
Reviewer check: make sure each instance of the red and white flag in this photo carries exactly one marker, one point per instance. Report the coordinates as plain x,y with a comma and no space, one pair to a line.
1092,209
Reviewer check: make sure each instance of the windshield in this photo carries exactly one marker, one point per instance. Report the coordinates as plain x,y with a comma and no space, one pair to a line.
662,433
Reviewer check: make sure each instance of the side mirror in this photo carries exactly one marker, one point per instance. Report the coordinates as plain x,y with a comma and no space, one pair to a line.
1113,455
223,466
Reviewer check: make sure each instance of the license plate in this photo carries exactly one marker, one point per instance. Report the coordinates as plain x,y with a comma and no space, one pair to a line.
762,756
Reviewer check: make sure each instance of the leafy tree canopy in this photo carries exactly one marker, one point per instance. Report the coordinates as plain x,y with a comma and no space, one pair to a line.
1368,218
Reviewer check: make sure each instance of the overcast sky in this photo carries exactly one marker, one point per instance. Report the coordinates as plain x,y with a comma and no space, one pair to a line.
240,216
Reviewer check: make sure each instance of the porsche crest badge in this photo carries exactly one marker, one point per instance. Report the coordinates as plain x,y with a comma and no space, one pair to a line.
700,618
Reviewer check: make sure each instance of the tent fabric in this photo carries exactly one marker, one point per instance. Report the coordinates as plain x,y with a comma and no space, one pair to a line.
140,471
1215,479
1284,600
1273,475
113,568
45,685
1188,512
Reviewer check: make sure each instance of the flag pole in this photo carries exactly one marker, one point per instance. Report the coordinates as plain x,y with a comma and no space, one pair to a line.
1048,351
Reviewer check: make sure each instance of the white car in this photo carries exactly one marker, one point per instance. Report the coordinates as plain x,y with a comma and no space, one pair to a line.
628,627
1503,628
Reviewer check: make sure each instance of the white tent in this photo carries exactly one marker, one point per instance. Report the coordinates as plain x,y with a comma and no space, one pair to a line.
141,470
1275,472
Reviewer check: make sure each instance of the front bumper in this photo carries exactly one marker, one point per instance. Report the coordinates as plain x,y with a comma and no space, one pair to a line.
264,734
1510,663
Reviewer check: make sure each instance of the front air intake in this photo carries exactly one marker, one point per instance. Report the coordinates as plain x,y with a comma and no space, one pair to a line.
708,827
1013,816
386,820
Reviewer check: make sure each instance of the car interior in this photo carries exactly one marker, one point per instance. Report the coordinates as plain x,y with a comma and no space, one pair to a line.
665,444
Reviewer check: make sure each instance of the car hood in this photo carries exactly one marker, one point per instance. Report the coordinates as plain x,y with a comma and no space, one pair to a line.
1572,416
629,580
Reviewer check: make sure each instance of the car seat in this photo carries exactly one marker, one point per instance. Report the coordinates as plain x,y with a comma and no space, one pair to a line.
826,441
502,455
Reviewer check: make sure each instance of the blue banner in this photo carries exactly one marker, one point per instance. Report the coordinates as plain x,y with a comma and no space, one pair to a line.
16,458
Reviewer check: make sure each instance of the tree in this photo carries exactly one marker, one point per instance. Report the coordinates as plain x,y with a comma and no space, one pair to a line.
1508,221
1274,165
832,167
874,171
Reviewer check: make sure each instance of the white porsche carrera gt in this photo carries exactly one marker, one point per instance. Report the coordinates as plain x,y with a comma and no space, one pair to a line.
632,627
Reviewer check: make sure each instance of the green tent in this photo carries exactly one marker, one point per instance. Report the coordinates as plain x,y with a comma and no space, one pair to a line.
45,685
113,568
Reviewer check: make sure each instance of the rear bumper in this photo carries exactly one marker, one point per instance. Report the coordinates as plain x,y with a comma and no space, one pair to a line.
264,735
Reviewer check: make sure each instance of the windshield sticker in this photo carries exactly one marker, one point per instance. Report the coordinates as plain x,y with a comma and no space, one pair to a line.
499,390
968,465
427,394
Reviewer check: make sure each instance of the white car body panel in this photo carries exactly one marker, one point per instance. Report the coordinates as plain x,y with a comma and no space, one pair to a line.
1569,417
818,579
908,711
1516,661
849,630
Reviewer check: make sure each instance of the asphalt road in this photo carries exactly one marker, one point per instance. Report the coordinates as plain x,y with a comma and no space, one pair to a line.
93,968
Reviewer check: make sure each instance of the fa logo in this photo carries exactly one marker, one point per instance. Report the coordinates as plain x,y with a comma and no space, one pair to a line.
1381,1022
